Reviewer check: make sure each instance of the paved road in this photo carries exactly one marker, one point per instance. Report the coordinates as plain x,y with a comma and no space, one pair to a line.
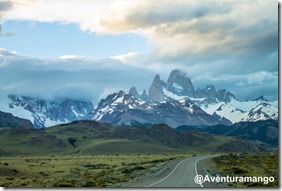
182,175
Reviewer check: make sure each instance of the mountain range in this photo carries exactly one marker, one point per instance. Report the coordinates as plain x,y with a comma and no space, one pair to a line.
44,113
124,109
214,102
175,102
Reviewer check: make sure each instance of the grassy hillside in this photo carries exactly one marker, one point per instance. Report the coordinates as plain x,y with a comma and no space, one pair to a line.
90,137
92,154
8,120
26,141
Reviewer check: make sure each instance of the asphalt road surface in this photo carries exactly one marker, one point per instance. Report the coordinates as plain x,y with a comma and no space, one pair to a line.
182,175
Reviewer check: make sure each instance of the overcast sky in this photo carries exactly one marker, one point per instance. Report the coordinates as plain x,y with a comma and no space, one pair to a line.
88,49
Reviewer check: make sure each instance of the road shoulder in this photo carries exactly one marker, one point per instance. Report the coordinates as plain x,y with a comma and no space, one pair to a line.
205,166
149,179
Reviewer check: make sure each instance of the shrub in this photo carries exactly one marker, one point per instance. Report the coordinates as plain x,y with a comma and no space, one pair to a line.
65,184
89,184
10,178
138,168
43,174
15,171
238,170
101,184
126,170
96,166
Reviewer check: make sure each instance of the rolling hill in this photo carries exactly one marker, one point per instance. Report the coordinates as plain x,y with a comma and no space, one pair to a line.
264,131
8,120
91,137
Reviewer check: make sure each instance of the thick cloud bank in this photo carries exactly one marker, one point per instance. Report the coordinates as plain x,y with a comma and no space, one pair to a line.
233,44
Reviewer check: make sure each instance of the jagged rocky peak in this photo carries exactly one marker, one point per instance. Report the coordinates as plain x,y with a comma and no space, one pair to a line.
224,95
157,80
210,88
144,96
113,96
180,84
261,98
119,99
210,92
121,93
133,91
155,91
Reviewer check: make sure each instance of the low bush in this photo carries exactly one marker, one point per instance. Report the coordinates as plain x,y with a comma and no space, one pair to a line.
65,184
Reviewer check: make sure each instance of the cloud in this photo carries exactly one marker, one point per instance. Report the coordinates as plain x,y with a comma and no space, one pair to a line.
261,77
80,78
234,44
93,79
4,6
257,78
244,86
192,33
203,39
86,14
195,31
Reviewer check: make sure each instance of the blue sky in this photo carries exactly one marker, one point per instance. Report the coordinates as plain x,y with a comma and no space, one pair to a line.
113,45
46,40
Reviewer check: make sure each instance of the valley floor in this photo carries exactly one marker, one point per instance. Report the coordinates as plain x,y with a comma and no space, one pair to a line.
133,170
81,171
243,165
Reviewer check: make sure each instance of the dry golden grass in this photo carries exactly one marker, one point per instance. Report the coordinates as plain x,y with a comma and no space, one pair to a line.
79,171
248,164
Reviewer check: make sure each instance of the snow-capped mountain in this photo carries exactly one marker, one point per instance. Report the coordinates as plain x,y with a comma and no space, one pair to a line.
236,111
115,104
175,102
124,109
178,87
44,113
220,102
262,111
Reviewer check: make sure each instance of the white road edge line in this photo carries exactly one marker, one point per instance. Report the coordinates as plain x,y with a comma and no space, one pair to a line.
197,170
168,174
201,184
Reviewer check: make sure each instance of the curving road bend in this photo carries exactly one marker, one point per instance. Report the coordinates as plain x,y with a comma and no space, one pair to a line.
182,175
